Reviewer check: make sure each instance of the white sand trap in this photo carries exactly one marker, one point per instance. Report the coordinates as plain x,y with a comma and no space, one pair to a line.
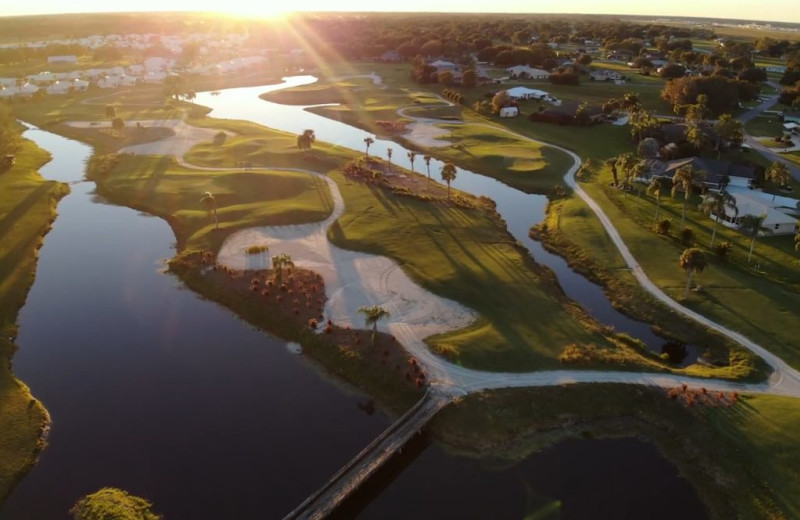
426,134
355,279
186,136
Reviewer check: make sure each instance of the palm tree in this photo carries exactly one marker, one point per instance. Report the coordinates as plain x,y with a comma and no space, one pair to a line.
368,141
693,261
279,263
427,159
779,174
696,137
752,225
716,205
372,315
411,157
306,139
612,163
728,129
654,189
685,178
624,165
448,175
210,202
389,157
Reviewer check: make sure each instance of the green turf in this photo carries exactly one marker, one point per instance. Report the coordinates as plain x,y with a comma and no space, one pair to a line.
245,199
27,207
759,302
527,166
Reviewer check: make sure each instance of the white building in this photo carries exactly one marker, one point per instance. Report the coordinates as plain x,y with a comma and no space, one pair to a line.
526,93
155,77
28,89
158,64
758,203
524,71
59,87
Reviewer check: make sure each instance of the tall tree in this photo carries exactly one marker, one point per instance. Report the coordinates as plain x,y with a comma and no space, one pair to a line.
752,225
685,178
779,174
368,141
696,137
693,261
389,157
624,166
427,159
210,203
411,157
279,263
448,175
717,205
654,189
612,164
372,315
729,130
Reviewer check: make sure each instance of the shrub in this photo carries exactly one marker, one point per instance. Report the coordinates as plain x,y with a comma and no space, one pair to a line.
662,226
722,250
220,138
117,123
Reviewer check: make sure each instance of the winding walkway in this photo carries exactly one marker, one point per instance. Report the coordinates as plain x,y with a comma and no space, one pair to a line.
447,377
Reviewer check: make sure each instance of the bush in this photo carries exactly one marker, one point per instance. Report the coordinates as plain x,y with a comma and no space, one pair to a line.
722,250
687,237
662,226
117,123
113,504
220,138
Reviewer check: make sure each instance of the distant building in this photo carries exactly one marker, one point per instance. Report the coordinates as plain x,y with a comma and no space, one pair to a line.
62,59
718,174
391,57
526,72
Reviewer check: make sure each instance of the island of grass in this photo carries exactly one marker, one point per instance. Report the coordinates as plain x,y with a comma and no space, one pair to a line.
460,251
27,210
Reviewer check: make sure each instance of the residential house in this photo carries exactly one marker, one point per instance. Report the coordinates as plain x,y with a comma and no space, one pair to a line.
525,93
391,57
26,90
605,75
791,116
526,72
718,174
755,203
567,113
59,87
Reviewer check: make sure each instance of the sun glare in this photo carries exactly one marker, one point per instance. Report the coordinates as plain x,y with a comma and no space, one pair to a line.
256,10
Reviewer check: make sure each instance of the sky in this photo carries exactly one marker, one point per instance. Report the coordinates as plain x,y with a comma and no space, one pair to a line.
781,10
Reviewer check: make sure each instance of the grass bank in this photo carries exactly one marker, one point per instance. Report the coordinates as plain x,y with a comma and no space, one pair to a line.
758,299
27,210
722,447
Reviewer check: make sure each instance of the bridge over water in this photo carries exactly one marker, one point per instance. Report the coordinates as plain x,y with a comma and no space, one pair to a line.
348,479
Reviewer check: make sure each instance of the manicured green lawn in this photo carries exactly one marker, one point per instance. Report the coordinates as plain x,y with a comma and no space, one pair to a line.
27,207
753,445
245,199
764,126
527,166
759,302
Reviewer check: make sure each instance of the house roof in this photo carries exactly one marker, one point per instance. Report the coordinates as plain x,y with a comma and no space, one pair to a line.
569,108
714,169
518,92
750,204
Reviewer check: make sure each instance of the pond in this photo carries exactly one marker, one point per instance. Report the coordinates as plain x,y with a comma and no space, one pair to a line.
157,391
